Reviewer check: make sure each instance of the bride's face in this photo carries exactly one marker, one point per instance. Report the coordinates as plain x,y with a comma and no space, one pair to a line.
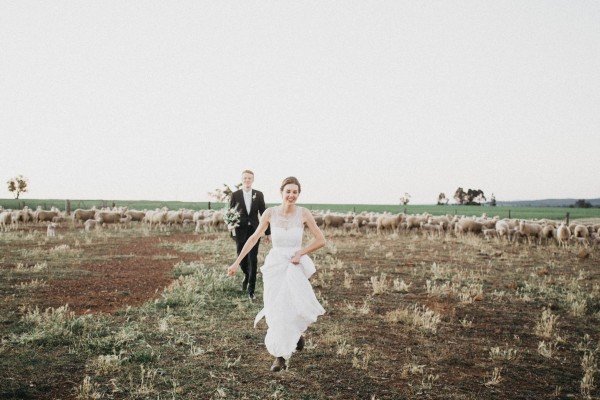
290,193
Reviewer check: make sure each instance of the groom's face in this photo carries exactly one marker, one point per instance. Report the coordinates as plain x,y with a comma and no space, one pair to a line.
247,180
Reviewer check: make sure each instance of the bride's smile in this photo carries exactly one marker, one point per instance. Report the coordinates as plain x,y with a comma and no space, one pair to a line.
290,193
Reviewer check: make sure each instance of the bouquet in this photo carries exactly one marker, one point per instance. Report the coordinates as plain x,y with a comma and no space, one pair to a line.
231,216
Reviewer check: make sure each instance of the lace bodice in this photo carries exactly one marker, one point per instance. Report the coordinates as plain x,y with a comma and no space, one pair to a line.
286,231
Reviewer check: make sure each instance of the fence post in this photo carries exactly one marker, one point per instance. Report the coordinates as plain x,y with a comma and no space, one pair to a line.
567,217
508,214
68,207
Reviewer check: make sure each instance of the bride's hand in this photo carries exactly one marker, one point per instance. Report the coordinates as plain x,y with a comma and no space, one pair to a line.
231,270
296,259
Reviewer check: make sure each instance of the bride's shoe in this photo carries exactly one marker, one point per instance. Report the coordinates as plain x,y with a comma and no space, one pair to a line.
278,364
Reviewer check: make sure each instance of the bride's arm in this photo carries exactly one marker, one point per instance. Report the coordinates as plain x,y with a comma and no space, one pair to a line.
316,243
262,227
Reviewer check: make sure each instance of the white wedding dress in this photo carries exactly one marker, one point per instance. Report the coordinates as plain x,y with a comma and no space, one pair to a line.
290,305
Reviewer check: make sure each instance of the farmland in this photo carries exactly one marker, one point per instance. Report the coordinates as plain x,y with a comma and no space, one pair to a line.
556,213
137,314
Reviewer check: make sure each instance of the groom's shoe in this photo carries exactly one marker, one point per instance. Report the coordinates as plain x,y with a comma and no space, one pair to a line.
278,364
300,344
251,296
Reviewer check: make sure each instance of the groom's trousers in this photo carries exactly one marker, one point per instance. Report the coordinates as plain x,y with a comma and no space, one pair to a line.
249,263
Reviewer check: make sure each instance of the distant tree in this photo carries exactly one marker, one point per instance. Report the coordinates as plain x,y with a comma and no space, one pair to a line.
223,195
460,196
472,197
582,204
405,199
17,185
442,199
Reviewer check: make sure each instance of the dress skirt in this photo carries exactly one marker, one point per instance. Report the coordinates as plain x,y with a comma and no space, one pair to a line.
290,304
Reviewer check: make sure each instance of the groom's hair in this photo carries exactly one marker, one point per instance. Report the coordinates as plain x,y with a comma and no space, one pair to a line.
247,171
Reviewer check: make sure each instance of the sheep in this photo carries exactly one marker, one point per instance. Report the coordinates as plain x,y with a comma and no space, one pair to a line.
319,219
548,232
489,223
174,217
107,217
581,231
466,225
45,215
202,225
198,215
51,229
502,229
125,221
389,222
432,228
530,230
563,233
187,214
443,221
333,220
23,216
359,222
156,218
217,221
135,215
90,224
83,215
5,220
414,221
362,219
489,233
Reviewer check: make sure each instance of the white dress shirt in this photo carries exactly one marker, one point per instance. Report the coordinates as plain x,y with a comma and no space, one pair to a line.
248,200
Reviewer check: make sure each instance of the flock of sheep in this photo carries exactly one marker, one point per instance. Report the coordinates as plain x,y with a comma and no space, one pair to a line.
532,231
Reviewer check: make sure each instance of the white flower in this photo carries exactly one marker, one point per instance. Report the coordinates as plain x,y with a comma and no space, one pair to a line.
231,216
254,197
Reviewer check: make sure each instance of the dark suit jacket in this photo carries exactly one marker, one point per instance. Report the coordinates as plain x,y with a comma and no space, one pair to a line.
257,208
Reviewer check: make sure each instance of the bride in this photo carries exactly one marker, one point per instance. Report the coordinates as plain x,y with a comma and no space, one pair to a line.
290,305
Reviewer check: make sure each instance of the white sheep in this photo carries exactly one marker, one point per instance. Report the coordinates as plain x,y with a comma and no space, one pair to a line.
489,233
5,220
51,230
389,222
414,221
530,230
90,224
563,234
502,229
581,231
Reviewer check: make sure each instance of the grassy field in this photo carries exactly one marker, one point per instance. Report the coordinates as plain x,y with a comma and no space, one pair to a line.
407,316
555,213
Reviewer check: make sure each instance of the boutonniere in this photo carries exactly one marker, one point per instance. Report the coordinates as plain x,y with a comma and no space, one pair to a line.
254,197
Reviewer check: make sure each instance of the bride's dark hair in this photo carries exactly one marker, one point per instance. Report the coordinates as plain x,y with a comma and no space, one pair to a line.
290,180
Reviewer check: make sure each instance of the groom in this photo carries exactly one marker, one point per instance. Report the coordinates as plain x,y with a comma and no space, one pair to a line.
251,204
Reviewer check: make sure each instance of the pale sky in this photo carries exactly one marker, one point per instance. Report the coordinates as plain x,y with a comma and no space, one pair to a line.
363,101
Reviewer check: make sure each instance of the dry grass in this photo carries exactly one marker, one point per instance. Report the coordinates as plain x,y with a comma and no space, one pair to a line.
407,316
